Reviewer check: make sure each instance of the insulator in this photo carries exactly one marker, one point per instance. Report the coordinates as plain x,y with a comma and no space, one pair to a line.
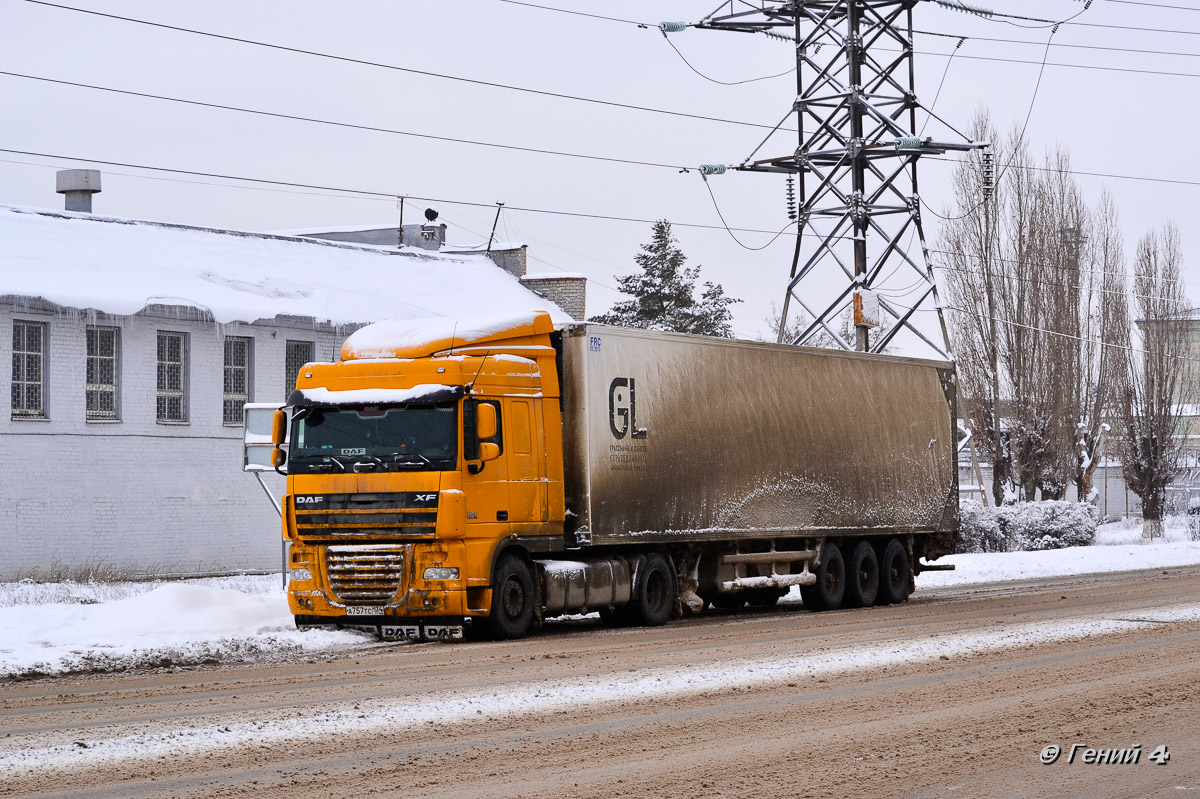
672,27
791,197
958,6
909,143
712,169
989,173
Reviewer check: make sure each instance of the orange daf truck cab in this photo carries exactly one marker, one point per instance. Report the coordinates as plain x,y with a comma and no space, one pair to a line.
415,462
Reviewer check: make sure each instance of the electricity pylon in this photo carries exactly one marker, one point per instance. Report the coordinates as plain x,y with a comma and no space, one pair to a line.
855,116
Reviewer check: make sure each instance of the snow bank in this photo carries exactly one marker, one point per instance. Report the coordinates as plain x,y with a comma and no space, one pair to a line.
119,266
171,625
997,566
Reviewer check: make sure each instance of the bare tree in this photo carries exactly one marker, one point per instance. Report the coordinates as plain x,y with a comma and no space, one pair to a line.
1027,273
1107,322
1158,376
975,281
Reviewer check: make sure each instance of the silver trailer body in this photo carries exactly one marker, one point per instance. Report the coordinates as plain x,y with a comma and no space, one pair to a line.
673,438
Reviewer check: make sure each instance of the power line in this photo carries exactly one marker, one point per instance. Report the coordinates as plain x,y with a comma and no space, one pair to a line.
394,67
1151,5
1020,137
1137,51
1001,259
683,58
389,195
1062,335
998,59
721,216
334,123
580,13
1177,181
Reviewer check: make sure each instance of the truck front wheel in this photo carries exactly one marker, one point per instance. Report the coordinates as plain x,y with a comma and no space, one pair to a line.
654,594
512,599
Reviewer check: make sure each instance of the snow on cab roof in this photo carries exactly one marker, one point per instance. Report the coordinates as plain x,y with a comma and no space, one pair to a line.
120,266
416,338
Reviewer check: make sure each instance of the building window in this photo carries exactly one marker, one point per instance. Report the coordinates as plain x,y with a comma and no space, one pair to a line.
29,370
101,390
172,377
237,378
298,354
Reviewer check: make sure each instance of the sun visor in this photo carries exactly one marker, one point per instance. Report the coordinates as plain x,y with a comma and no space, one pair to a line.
428,394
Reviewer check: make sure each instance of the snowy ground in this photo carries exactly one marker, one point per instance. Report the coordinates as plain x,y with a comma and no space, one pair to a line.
57,628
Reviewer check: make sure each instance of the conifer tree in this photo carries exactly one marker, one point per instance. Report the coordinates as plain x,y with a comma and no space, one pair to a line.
663,294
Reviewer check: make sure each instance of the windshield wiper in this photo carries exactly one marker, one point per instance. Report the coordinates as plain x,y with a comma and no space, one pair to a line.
409,456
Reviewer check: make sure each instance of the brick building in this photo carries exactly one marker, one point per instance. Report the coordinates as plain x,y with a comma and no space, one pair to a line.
133,347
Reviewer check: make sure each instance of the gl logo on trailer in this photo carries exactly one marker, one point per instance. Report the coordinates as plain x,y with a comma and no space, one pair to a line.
622,409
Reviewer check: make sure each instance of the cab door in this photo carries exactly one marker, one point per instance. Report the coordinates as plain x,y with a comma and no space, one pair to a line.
485,483
526,467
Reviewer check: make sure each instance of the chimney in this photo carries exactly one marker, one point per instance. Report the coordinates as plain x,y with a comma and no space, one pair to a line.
429,236
78,185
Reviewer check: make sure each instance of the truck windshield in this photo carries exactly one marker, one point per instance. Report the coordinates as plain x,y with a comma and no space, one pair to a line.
374,439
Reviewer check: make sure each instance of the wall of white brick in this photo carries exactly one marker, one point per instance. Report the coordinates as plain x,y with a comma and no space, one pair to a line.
136,495
568,293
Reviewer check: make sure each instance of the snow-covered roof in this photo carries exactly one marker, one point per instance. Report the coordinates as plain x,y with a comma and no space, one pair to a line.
496,245
120,266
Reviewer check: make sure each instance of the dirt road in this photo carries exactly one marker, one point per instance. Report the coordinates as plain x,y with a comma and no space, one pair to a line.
954,694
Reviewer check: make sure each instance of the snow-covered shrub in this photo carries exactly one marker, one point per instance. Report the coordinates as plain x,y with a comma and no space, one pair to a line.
1049,524
980,528
1026,526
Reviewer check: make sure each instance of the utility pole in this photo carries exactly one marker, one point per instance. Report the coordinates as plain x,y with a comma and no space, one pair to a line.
855,114
496,221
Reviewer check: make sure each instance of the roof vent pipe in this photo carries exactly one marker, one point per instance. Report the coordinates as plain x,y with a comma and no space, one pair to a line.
78,185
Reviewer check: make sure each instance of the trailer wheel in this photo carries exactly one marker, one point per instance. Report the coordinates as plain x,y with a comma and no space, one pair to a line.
830,587
894,573
512,599
654,595
862,577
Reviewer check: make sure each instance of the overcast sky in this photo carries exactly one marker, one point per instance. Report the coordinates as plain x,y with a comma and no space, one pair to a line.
1112,121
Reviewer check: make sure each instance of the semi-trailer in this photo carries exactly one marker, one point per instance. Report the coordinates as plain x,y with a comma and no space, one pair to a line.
449,477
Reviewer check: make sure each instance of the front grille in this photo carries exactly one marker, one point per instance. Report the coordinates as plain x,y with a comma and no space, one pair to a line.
365,575
409,513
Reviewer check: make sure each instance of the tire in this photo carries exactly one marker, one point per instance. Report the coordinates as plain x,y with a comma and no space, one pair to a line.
862,577
830,587
513,597
653,601
894,574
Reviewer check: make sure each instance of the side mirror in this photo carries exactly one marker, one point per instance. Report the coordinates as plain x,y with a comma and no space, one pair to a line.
489,451
485,425
279,428
278,457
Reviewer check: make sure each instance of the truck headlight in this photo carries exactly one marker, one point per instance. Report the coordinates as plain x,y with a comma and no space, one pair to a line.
440,573
300,575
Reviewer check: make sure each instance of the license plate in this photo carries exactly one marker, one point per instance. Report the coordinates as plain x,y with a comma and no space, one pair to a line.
362,610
